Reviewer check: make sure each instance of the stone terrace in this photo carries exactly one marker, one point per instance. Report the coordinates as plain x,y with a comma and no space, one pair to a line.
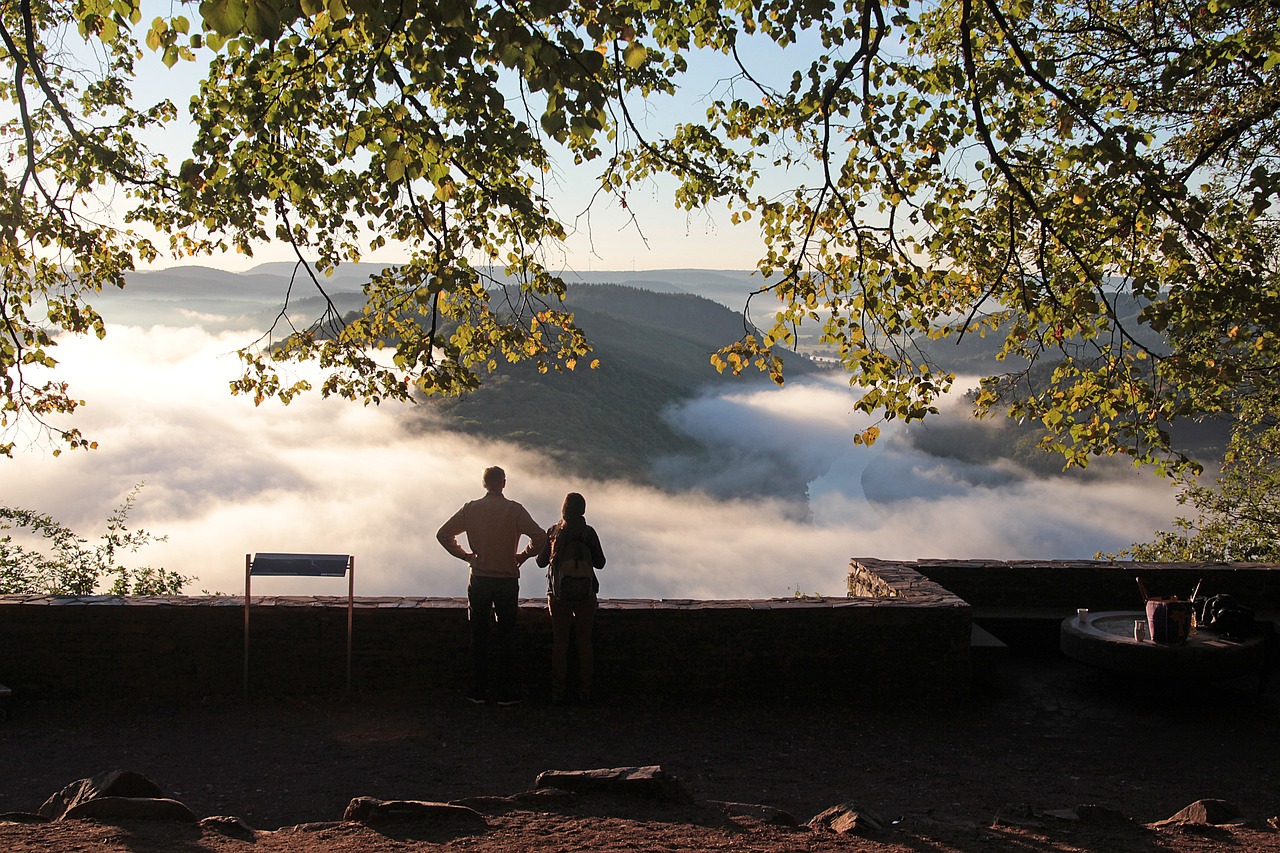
908,629
193,646
1023,601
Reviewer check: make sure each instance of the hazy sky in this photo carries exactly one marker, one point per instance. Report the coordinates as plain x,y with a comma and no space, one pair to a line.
649,233
224,479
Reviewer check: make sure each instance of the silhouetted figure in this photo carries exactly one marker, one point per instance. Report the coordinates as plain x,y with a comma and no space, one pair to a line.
573,553
493,525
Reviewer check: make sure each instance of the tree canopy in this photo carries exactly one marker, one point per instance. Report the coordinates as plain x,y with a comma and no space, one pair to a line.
1028,170
1236,516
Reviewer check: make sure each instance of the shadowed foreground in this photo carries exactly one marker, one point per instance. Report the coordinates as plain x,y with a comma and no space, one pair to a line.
1005,771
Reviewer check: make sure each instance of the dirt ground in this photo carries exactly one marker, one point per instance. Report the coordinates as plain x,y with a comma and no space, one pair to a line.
1006,770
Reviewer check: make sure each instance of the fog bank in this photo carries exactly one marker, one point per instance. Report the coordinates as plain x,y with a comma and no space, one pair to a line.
224,478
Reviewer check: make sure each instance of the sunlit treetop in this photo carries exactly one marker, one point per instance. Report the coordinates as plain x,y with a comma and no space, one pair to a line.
1094,185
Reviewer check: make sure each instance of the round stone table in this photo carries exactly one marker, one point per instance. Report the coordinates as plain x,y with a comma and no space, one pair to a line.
1105,639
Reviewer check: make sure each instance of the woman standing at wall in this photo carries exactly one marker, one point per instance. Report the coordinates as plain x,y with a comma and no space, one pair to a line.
572,555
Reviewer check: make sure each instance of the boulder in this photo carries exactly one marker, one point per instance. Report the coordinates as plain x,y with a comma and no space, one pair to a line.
1205,813
110,809
114,783
230,826
755,811
847,818
651,782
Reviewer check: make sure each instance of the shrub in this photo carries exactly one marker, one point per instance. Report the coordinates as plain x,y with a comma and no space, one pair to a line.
65,564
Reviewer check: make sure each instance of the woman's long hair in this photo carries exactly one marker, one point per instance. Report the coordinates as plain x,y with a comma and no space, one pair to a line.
573,519
574,506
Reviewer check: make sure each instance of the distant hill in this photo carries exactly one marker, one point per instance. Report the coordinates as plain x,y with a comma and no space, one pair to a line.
654,351
219,299
975,354
985,442
653,330
730,288
267,281
653,333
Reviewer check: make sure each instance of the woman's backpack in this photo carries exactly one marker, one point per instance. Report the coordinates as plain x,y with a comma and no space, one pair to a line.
572,578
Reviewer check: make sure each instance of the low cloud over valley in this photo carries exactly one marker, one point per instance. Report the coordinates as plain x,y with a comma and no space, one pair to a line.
224,478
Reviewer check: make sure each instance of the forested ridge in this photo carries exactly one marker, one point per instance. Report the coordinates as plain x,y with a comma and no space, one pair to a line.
654,351
653,334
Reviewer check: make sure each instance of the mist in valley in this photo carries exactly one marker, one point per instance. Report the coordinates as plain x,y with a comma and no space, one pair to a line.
224,478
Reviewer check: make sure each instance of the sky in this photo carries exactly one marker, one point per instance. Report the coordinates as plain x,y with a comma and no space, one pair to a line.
649,233
224,479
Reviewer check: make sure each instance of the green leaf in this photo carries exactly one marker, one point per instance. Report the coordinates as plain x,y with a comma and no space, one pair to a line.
634,55
224,17
262,19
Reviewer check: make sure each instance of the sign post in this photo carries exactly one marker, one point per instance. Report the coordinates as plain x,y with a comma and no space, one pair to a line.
299,565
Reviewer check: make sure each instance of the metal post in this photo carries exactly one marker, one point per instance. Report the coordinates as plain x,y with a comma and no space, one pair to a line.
351,601
308,565
248,571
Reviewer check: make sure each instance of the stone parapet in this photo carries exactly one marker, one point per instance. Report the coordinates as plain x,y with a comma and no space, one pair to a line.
1059,587
899,581
1022,602
911,644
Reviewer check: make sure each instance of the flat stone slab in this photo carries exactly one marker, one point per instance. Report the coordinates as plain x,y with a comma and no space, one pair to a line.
756,811
1209,812
651,782
848,818
110,809
230,826
370,810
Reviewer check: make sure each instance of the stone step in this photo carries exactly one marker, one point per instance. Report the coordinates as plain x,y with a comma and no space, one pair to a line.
984,641
986,652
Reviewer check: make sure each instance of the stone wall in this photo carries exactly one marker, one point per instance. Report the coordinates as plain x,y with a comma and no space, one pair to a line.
1059,587
1022,602
911,643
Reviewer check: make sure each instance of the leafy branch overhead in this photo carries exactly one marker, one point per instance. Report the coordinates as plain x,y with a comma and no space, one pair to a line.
1092,184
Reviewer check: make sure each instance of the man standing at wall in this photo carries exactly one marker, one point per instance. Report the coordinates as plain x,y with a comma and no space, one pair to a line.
493,525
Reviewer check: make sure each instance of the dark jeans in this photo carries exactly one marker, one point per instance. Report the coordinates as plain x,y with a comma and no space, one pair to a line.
493,605
575,617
